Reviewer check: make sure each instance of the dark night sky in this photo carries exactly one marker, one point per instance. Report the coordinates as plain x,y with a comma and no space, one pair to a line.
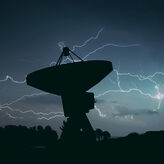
29,35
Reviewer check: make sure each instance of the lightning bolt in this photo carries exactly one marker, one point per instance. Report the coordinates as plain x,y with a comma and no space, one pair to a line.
52,117
37,114
99,112
13,117
107,45
8,106
22,97
139,77
158,96
62,44
88,40
11,78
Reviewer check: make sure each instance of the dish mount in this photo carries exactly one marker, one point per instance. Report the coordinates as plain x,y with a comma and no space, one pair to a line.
68,53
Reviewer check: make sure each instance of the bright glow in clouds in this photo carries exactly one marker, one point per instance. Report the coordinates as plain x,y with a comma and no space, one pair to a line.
158,96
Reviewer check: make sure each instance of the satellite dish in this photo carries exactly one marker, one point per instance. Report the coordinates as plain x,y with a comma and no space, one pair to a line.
68,78
72,81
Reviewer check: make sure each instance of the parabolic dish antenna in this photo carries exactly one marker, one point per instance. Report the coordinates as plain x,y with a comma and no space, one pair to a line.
70,78
72,81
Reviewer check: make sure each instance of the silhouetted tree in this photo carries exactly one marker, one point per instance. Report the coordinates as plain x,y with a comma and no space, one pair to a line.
50,136
18,141
133,135
99,134
106,136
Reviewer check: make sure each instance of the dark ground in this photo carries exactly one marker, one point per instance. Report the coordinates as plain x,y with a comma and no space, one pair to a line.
19,144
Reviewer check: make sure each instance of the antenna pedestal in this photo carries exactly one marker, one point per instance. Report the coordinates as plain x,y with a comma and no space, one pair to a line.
75,104
75,108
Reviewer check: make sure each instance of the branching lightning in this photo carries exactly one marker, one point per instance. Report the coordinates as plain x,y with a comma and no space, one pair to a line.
88,40
8,106
158,96
99,112
62,44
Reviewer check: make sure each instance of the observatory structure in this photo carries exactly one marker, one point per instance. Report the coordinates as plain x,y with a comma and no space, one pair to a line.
71,81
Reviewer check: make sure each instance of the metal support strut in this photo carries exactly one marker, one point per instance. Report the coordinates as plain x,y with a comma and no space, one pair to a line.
66,52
